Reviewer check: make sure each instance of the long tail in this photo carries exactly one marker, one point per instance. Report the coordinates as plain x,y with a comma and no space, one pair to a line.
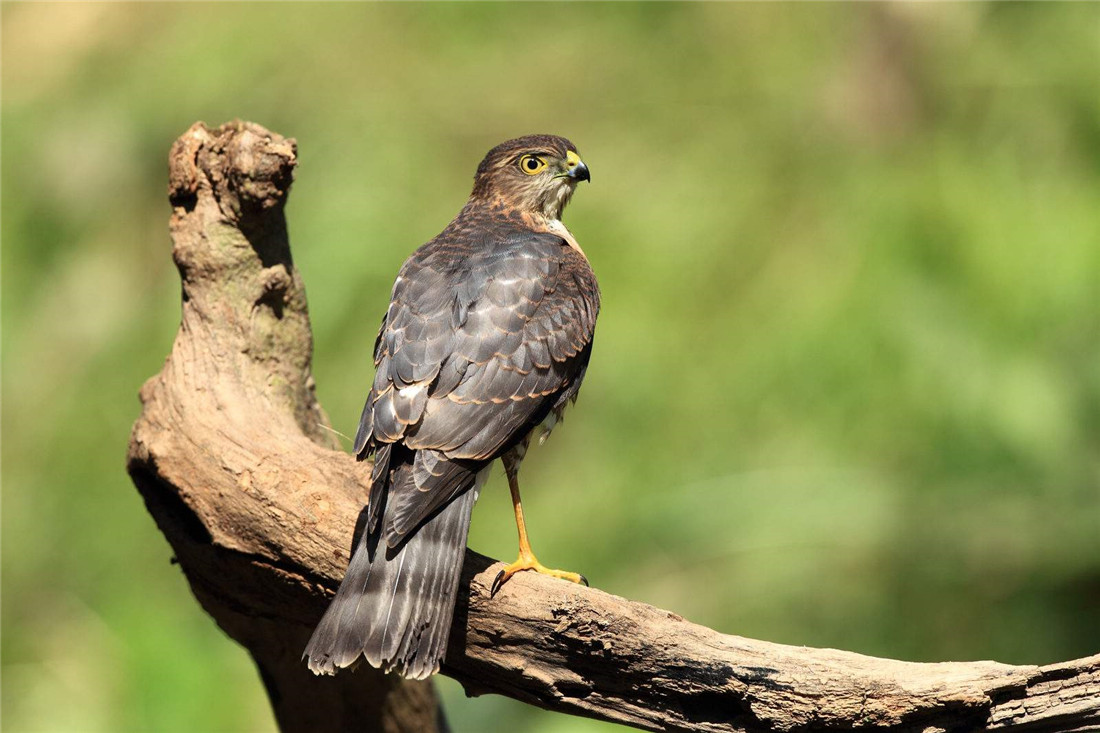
395,604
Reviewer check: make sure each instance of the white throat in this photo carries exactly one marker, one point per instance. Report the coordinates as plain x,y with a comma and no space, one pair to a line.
555,204
555,226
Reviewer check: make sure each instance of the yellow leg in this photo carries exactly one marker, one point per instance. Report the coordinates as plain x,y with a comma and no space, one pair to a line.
526,559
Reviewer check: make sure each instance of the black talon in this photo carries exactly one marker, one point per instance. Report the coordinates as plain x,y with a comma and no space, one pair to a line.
496,584
585,581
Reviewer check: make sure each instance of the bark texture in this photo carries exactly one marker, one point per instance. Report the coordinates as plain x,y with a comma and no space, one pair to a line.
233,459
231,453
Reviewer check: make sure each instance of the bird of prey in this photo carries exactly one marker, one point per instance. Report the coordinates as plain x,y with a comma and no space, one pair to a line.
486,339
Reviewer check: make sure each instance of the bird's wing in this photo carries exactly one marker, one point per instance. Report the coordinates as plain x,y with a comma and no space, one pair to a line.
474,352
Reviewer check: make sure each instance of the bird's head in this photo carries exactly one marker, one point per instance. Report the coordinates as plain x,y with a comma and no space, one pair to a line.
534,174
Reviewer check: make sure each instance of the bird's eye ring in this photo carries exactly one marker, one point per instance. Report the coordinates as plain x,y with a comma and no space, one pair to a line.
531,164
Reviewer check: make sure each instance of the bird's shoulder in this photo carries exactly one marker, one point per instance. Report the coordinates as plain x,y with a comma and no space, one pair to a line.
491,254
477,239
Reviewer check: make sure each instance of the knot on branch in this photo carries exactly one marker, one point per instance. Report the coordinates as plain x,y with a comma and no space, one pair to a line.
247,168
228,182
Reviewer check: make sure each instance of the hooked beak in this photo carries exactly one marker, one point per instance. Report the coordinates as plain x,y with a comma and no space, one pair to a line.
578,171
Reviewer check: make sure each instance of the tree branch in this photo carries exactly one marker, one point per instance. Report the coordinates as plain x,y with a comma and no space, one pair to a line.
233,460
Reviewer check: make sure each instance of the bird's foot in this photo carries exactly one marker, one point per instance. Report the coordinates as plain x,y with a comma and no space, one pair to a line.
530,562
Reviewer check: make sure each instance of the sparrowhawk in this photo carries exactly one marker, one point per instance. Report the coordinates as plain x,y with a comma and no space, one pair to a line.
486,339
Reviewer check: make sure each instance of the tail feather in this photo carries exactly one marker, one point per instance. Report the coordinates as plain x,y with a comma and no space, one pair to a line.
395,604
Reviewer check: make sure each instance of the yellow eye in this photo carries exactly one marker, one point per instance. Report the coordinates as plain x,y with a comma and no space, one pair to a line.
531,164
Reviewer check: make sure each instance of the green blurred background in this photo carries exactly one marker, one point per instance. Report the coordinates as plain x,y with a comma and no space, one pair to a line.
846,385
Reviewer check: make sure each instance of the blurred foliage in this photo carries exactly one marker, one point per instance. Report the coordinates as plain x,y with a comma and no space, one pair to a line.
846,385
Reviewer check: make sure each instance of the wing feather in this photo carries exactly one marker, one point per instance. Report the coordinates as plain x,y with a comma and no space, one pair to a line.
478,345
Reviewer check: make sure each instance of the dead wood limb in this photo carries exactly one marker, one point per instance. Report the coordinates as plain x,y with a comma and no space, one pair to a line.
232,459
